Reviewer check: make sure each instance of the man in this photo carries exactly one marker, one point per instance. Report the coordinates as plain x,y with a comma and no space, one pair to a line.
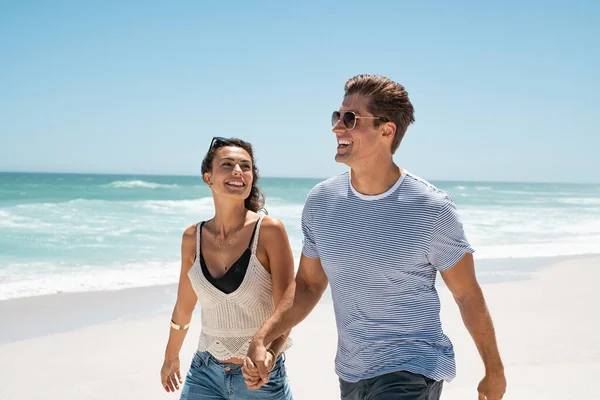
378,235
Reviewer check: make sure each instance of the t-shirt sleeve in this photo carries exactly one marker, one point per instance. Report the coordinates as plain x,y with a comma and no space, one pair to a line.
448,241
309,247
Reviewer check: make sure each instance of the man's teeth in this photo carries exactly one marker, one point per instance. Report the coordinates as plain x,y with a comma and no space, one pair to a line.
344,142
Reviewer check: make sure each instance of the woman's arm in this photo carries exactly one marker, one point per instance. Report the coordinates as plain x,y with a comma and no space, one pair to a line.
182,313
281,265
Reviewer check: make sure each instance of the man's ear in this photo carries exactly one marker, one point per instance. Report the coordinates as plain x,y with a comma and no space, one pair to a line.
389,129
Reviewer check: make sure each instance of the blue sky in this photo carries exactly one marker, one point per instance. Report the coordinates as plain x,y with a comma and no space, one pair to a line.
503,90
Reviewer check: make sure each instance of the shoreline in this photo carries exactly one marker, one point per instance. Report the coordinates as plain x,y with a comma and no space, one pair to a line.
489,269
31,317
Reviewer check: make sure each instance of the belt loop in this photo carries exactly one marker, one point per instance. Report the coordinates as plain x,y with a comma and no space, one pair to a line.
207,358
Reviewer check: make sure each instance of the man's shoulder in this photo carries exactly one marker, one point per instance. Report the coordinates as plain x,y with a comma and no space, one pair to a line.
330,186
424,193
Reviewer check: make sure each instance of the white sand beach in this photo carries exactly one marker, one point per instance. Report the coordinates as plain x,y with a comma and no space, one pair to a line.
548,329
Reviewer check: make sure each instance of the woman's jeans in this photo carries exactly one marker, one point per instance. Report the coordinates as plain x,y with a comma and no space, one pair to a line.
211,379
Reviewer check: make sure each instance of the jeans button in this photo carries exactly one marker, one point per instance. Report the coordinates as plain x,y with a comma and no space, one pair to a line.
227,369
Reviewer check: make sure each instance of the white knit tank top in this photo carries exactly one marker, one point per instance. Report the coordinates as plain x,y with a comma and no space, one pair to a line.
230,320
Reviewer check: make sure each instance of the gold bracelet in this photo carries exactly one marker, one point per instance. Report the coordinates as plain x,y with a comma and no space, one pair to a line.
274,359
179,327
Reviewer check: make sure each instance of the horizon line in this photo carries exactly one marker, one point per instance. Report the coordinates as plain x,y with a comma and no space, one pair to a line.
288,177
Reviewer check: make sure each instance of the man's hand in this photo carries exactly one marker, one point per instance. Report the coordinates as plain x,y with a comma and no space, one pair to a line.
257,360
492,387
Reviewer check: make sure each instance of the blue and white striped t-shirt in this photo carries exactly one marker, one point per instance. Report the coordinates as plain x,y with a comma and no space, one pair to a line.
381,254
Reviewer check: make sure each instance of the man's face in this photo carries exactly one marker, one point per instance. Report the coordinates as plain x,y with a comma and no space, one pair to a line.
363,142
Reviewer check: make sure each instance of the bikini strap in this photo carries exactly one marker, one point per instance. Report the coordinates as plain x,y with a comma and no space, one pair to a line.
198,239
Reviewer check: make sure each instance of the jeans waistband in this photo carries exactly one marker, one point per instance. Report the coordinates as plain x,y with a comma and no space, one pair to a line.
209,360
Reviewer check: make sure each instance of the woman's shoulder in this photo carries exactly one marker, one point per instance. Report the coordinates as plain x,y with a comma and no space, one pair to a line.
190,231
272,228
271,223
189,236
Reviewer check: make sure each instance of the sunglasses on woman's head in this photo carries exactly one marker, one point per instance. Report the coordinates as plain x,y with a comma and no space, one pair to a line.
216,140
348,119
224,141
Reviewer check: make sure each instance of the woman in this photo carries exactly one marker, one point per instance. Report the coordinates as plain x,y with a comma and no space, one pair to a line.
237,265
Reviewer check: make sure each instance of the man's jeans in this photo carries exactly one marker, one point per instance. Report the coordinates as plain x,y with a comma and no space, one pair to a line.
400,385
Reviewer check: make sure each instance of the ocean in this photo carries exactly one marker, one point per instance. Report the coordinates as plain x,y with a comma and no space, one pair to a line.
76,232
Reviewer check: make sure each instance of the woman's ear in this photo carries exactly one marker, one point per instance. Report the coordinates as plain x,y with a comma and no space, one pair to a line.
207,179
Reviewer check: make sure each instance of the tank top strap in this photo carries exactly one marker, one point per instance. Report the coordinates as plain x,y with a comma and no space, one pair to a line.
256,234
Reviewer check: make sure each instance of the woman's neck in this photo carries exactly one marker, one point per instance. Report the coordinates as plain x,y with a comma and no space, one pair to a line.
229,218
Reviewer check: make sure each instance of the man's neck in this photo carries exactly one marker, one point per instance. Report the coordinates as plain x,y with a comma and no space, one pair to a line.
374,179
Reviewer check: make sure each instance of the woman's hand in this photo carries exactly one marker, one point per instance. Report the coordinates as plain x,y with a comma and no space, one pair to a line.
170,376
251,374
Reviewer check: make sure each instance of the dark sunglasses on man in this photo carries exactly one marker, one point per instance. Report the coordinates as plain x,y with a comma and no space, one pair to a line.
349,119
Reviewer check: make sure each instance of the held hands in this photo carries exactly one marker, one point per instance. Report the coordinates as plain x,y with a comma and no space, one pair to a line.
492,387
170,376
257,365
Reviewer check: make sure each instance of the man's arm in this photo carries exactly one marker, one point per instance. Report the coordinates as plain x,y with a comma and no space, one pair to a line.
462,282
298,301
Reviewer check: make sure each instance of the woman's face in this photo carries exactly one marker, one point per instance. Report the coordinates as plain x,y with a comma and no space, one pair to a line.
231,174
